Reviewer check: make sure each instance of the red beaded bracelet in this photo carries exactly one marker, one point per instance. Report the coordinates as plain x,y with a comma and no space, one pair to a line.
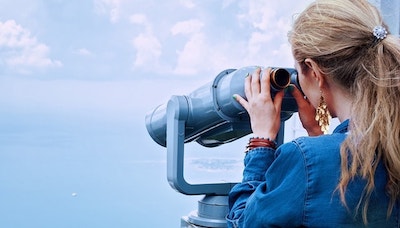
260,142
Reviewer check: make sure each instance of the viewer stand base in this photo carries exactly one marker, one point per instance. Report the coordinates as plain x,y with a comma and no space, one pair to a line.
211,212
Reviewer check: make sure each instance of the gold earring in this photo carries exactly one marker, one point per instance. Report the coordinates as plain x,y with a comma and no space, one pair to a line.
322,115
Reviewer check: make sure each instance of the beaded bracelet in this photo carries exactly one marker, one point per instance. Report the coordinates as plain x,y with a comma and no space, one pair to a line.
260,142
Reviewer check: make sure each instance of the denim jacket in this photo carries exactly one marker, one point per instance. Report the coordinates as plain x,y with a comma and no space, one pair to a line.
295,186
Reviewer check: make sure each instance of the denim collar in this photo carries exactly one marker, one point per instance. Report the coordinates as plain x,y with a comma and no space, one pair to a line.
342,127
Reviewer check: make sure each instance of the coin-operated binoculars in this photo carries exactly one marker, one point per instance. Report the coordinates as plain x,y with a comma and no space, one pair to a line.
211,117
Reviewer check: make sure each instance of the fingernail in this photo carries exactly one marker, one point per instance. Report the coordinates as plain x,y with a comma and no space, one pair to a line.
234,96
247,75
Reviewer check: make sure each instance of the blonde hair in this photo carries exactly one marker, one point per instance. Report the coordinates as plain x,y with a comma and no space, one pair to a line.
337,35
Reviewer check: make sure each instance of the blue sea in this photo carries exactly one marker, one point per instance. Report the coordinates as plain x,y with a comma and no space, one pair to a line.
64,171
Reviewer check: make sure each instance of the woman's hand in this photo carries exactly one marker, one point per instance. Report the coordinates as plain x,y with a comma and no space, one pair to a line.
263,111
306,113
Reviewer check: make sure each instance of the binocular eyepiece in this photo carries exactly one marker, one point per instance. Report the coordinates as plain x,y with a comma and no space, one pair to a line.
280,79
211,116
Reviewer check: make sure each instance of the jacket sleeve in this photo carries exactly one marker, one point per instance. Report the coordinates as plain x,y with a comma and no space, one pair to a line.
273,189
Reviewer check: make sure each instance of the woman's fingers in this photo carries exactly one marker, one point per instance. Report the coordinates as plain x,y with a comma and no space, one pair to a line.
264,112
278,100
266,83
247,86
306,113
255,81
299,97
257,89
241,101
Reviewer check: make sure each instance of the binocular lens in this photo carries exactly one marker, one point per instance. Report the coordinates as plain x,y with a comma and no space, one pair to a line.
280,78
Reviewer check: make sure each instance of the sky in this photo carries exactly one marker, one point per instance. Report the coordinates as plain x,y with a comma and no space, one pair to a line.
77,79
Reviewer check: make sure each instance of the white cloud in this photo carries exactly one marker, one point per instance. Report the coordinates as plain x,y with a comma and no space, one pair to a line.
187,27
226,3
199,48
257,42
14,36
266,44
261,16
83,52
198,54
21,49
269,23
193,56
148,50
147,45
201,55
139,19
35,56
187,3
111,8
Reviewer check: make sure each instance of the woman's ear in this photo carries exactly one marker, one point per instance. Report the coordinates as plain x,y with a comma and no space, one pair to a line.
315,71
309,62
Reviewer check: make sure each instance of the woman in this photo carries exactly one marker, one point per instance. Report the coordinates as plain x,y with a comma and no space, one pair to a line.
348,67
